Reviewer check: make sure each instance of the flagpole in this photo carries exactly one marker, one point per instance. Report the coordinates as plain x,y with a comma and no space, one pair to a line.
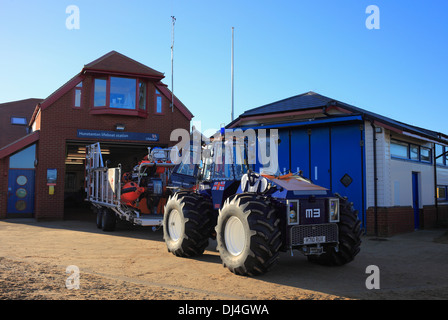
232,78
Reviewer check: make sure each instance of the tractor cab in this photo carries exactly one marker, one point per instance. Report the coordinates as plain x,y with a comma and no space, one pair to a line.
223,165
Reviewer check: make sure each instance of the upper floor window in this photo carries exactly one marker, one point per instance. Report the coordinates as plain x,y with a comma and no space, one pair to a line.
99,99
142,95
19,121
158,102
399,149
78,90
120,93
441,155
405,150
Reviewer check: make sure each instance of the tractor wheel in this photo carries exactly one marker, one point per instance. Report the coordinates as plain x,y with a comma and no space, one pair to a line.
187,224
109,220
349,238
99,218
248,234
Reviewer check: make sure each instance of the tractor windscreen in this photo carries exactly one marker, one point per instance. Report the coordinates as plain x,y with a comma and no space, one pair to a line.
229,160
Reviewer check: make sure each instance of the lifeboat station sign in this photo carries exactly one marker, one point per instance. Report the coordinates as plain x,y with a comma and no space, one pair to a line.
113,135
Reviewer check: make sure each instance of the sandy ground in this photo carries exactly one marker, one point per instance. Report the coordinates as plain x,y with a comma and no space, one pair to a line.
133,263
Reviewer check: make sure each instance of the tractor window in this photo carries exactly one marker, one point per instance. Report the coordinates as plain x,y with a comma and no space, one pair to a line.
186,169
190,168
222,168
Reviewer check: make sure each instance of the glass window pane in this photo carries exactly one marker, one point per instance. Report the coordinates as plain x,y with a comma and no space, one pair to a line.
77,98
122,93
425,154
441,192
100,93
142,96
439,152
159,104
399,149
23,159
414,152
18,120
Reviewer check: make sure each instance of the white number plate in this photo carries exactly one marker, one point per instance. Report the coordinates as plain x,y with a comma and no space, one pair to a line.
311,240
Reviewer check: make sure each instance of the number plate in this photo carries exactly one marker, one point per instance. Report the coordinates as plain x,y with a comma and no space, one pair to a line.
311,240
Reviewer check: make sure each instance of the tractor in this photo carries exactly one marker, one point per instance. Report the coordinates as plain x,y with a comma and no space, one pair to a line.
253,216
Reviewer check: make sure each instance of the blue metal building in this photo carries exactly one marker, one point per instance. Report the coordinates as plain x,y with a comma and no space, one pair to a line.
339,146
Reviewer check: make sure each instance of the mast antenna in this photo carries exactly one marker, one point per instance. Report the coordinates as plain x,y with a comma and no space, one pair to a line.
173,20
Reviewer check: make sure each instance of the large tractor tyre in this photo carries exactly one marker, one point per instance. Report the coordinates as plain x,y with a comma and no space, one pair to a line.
187,224
349,238
248,234
109,220
99,218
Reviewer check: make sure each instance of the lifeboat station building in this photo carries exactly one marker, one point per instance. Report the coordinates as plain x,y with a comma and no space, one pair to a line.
395,174
114,100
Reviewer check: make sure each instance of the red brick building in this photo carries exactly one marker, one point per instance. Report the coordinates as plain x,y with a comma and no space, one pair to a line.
114,100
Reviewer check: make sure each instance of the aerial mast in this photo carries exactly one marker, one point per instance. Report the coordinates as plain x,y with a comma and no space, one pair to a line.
173,20
232,77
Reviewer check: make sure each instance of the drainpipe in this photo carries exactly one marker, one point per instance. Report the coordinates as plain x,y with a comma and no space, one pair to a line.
375,180
434,157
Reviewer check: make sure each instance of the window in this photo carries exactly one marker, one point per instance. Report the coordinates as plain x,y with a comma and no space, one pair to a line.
99,99
23,159
19,121
425,154
441,193
158,102
414,152
119,95
122,93
439,152
142,95
78,91
409,151
399,149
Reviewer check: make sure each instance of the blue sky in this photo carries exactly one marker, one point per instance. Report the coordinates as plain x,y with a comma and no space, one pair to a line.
282,48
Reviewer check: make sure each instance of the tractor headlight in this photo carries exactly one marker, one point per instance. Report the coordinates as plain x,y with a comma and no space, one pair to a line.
292,211
334,210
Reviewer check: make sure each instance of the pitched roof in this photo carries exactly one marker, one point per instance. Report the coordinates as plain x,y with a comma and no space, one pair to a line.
302,101
312,100
19,144
116,62
21,108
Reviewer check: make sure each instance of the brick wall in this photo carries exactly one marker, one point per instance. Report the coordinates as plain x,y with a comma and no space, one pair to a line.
3,186
395,220
433,217
391,220
59,123
11,132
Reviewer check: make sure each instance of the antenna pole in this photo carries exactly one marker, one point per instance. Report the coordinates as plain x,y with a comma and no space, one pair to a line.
232,78
173,20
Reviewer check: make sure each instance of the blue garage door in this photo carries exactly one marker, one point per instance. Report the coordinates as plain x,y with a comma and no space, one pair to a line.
347,172
300,151
320,157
